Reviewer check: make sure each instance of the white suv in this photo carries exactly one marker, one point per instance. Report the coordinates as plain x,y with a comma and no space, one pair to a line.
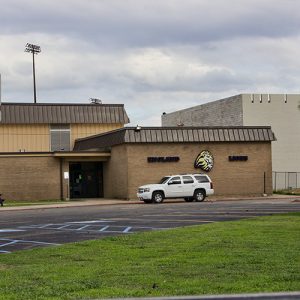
189,186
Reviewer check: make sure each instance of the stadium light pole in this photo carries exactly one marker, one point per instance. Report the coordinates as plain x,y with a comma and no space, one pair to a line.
34,49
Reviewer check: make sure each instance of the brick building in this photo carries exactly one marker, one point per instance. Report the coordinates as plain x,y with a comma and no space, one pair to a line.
242,157
59,151
36,142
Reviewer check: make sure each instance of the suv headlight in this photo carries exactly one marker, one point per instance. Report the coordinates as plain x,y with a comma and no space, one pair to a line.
143,190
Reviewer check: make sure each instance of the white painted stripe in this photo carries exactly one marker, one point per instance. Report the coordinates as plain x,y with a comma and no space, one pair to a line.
42,243
11,230
83,227
25,241
127,229
46,225
89,222
63,226
103,228
9,243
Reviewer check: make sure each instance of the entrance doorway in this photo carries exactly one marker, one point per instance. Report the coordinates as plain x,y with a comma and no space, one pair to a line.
86,179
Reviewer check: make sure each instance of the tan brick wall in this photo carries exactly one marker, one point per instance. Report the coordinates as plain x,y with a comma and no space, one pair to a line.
29,178
36,178
115,172
230,178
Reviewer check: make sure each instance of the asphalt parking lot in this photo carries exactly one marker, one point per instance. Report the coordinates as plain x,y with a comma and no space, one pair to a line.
26,229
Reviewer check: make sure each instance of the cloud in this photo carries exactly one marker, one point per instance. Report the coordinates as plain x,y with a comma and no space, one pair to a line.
146,23
153,56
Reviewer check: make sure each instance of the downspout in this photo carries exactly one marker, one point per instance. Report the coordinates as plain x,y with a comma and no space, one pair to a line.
61,179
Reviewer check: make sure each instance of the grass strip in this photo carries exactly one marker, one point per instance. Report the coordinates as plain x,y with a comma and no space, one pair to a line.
12,203
253,255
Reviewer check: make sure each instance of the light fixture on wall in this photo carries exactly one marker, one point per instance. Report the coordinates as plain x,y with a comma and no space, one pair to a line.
260,99
285,98
95,101
138,128
252,98
269,98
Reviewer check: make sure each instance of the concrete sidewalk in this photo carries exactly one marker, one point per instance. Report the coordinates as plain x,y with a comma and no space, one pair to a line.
71,203
102,201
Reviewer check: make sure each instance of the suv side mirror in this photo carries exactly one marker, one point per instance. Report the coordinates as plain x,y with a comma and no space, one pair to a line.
170,182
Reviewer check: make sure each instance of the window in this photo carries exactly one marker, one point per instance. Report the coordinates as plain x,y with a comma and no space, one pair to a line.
201,179
187,179
60,137
164,180
175,180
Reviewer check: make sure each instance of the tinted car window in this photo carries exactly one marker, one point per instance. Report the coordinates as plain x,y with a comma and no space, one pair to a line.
187,179
164,179
201,179
175,180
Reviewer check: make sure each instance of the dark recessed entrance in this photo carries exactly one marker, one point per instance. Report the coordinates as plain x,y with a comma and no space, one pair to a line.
86,180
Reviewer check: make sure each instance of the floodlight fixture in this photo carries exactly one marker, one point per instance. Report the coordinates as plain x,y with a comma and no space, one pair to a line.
34,49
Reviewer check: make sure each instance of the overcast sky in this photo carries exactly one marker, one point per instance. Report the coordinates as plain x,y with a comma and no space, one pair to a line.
154,56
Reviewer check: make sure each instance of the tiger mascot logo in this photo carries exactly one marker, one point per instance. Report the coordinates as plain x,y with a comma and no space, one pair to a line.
204,161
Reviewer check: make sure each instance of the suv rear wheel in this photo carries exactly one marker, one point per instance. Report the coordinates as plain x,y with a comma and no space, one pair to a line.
199,195
157,197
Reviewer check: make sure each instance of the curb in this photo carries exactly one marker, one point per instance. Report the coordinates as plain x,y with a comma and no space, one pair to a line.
257,296
126,202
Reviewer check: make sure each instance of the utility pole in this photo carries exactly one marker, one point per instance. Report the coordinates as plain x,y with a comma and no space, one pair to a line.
34,49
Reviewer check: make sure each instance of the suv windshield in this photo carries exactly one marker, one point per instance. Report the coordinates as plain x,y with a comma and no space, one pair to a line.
164,179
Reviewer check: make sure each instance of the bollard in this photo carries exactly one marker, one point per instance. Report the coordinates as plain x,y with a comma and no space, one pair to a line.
1,200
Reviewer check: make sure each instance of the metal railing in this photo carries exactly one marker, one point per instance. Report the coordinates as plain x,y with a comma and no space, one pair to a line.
286,180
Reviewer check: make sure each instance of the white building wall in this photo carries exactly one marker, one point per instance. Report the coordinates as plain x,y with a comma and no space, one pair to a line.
282,113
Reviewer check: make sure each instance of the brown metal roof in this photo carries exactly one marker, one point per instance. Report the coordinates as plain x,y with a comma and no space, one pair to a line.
54,113
176,135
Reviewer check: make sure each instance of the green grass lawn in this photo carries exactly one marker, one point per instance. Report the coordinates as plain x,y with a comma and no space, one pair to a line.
254,255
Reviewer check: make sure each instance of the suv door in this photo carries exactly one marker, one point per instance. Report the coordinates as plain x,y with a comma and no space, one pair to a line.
204,180
173,187
188,186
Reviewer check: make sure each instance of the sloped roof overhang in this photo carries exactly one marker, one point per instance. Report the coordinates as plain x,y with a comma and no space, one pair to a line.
133,135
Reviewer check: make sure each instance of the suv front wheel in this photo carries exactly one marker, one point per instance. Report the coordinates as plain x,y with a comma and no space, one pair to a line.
157,197
199,195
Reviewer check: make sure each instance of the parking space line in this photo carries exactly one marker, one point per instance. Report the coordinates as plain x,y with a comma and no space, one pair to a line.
88,222
9,243
103,229
25,241
63,226
127,230
82,227
10,230
44,226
